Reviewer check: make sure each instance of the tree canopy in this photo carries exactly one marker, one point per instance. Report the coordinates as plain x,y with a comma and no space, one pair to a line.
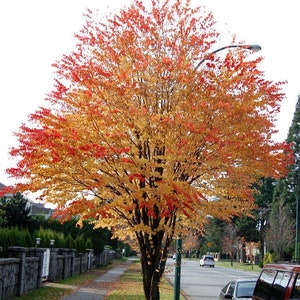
137,138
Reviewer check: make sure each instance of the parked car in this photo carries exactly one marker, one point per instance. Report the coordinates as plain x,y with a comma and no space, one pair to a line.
241,288
278,281
207,260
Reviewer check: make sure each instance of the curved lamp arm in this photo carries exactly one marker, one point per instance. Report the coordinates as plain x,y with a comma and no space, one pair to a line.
254,48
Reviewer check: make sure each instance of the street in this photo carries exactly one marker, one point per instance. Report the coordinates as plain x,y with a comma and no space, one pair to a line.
203,283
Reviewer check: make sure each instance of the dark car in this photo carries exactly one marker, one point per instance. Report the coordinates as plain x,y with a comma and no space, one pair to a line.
278,281
241,288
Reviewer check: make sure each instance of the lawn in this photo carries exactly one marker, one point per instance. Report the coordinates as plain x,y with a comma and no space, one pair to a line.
239,266
130,286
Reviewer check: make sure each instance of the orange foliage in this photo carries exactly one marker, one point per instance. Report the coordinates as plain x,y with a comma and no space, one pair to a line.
139,140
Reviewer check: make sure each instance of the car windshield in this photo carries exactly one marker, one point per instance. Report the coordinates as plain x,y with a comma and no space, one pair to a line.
245,289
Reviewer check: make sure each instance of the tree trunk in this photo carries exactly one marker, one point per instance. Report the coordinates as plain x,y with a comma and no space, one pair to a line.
150,282
243,253
153,261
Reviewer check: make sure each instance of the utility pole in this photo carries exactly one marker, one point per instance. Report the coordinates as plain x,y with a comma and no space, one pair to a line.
177,268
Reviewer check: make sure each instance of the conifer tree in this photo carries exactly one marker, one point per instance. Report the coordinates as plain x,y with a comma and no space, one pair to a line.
294,138
15,210
293,179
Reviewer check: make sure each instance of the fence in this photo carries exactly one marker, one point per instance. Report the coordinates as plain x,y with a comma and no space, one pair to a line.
26,268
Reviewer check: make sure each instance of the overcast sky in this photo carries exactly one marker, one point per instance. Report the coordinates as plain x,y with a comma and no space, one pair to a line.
35,33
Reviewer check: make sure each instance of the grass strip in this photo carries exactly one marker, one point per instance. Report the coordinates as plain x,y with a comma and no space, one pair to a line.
130,287
239,266
49,293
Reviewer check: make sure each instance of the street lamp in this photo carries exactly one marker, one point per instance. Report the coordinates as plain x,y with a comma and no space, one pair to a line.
254,48
177,268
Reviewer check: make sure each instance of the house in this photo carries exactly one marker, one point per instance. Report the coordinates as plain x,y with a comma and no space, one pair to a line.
36,209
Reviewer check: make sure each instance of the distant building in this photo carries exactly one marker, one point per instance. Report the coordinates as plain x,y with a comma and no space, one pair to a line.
39,209
36,209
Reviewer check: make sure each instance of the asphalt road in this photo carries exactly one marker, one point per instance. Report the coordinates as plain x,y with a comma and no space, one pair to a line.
203,283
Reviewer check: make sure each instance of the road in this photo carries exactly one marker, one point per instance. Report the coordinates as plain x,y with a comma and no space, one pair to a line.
203,283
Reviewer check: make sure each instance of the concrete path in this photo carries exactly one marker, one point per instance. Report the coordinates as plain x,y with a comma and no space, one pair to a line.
97,289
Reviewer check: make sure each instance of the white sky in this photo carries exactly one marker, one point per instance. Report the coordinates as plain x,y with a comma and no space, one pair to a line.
35,33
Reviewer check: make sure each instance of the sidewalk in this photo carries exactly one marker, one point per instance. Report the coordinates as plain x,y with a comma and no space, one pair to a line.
97,289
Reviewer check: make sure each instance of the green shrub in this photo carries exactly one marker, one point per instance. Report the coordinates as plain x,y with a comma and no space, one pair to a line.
25,238
80,244
269,258
10,237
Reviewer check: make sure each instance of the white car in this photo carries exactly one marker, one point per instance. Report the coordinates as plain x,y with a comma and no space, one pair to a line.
238,289
207,260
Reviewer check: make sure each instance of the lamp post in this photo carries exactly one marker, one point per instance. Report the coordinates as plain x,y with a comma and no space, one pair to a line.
253,48
177,269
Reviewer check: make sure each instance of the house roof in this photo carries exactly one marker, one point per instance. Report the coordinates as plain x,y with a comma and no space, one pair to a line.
38,209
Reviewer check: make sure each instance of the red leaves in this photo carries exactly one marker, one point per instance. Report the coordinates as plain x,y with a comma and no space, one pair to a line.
120,150
138,176
100,71
127,160
55,157
60,90
97,151
89,93
75,76
7,190
76,207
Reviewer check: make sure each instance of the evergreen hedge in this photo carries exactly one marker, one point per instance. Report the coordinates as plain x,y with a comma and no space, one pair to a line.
15,237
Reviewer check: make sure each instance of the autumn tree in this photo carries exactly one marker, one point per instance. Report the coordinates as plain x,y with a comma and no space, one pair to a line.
231,240
137,138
